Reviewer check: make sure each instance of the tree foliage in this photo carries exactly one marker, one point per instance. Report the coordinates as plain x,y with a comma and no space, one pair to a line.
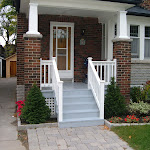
35,110
8,22
114,101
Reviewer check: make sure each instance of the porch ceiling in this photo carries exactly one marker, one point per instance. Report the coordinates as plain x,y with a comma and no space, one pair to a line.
103,16
85,8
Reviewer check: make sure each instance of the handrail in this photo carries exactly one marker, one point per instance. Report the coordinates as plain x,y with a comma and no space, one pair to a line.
57,86
50,78
97,87
106,70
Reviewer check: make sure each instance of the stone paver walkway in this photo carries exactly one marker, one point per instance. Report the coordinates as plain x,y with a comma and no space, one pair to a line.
82,138
8,130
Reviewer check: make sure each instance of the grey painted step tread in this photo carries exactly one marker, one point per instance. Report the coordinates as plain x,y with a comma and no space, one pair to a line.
80,103
78,90
46,91
78,96
81,119
80,111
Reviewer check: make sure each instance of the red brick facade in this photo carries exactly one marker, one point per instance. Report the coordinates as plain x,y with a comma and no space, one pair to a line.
122,52
145,4
92,36
22,25
32,54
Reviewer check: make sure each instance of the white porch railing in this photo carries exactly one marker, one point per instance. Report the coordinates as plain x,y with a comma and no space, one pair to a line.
97,87
49,77
105,70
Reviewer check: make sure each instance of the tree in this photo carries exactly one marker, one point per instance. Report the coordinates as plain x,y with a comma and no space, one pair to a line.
114,101
8,23
35,110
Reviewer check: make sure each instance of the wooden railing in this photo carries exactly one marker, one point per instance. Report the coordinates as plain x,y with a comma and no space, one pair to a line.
105,70
97,87
49,77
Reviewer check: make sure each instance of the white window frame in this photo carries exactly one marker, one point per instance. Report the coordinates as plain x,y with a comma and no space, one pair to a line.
142,22
146,38
134,37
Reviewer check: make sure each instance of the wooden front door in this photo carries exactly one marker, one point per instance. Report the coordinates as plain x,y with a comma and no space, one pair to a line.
62,47
13,68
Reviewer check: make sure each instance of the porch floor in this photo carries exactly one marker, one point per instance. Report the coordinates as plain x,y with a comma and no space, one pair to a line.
74,85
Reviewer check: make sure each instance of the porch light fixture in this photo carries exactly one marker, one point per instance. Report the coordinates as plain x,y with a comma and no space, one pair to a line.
82,32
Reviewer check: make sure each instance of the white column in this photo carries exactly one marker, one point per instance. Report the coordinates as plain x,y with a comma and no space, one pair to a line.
141,50
122,25
33,19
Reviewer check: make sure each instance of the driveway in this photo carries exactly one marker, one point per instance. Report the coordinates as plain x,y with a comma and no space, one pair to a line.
8,129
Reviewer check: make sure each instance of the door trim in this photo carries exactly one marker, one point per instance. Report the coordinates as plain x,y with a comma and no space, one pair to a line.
63,24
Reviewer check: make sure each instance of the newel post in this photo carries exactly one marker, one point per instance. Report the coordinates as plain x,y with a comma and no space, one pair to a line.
102,93
89,60
60,103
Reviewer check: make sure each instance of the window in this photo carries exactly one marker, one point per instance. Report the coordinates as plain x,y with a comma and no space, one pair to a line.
115,30
147,43
134,34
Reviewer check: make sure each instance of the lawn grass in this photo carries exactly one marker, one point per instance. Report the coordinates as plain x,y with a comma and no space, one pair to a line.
138,137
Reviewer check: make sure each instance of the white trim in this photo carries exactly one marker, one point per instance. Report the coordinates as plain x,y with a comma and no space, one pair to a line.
63,73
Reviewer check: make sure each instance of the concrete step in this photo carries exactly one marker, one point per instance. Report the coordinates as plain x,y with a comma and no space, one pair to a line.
84,122
78,99
79,92
80,106
78,114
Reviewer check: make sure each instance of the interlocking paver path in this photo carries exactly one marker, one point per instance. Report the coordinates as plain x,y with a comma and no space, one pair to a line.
81,138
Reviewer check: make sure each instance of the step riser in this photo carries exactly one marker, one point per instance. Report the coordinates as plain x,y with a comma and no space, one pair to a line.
78,100
80,115
80,107
81,124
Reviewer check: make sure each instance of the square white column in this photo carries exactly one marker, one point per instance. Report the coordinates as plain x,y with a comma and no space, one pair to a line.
33,19
122,25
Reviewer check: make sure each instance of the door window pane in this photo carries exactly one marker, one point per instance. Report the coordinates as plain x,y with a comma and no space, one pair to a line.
61,36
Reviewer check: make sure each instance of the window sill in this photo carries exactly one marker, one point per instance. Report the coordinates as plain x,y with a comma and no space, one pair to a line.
145,61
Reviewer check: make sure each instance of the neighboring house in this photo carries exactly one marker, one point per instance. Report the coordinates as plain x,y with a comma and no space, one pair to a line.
11,66
72,31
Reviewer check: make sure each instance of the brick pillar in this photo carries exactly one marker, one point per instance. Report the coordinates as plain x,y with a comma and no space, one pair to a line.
32,54
22,26
122,52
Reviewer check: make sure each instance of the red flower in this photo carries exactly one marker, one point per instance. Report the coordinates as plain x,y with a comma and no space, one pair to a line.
125,119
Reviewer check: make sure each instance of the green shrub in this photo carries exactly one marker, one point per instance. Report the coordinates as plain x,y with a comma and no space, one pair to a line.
35,110
114,101
136,94
140,108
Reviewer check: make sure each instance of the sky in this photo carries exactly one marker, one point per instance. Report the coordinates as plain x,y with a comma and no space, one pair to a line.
2,42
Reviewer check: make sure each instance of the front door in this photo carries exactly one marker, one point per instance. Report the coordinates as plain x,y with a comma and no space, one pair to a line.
62,47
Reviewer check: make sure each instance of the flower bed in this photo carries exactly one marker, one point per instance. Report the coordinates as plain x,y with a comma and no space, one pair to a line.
127,121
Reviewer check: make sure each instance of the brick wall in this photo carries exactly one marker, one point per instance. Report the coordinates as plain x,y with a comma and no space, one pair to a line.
145,4
22,26
32,54
122,52
92,36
